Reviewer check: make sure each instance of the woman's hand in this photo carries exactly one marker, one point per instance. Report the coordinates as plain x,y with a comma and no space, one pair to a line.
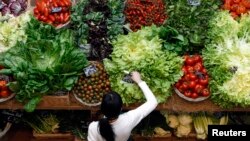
136,77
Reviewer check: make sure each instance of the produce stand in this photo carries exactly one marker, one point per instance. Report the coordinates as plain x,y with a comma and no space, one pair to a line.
101,36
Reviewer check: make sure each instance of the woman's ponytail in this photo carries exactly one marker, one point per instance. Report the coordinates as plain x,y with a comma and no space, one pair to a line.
106,130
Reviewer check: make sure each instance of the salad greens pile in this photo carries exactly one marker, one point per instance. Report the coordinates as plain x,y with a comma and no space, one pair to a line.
13,30
42,65
227,58
142,51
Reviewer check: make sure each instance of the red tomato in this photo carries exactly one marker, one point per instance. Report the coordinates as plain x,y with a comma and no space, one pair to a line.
204,81
204,71
184,69
197,58
198,88
177,85
3,84
192,76
205,92
190,69
36,10
194,95
192,84
241,10
198,67
52,18
236,1
185,85
246,3
4,93
190,61
187,77
188,93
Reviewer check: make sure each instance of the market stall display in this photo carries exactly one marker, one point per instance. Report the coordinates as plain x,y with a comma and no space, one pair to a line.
193,54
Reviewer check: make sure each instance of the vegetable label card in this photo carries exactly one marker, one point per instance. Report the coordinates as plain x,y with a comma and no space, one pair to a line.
194,2
56,9
90,70
12,116
127,78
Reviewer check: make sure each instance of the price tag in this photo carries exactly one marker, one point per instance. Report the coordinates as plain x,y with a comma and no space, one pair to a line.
12,116
90,70
194,2
5,77
56,9
127,78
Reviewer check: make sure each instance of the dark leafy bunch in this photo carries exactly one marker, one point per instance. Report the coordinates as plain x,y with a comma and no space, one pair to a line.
191,20
97,22
42,65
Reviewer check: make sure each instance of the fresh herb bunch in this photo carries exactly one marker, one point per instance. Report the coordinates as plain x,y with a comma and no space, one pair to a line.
172,40
191,20
96,23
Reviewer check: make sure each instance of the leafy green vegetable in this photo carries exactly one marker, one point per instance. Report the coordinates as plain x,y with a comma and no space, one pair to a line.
42,66
191,21
227,59
13,30
142,51
173,41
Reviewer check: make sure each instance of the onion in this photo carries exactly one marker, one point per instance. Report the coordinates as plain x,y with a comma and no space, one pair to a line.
15,8
5,10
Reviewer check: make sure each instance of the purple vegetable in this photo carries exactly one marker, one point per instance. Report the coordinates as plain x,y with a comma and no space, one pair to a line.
5,10
8,1
15,8
23,4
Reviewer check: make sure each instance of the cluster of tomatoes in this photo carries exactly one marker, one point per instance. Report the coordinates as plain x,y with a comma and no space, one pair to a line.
236,7
54,12
144,13
4,90
194,82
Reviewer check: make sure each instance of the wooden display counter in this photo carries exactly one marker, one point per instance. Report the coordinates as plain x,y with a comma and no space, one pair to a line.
174,103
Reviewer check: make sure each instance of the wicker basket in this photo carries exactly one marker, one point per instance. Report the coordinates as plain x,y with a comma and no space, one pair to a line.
6,129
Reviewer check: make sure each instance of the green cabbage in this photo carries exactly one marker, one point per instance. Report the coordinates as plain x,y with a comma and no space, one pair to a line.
142,51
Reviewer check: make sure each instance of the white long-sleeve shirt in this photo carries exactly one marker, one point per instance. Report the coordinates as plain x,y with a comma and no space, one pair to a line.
124,124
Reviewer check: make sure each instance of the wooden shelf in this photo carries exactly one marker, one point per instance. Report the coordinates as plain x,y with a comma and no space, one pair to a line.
174,103
24,134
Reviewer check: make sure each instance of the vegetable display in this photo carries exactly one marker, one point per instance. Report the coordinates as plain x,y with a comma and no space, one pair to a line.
42,66
13,7
191,21
140,13
194,82
54,12
13,30
90,89
142,51
227,59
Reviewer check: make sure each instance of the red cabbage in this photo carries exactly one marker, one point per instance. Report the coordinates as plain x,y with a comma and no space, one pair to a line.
23,4
5,10
15,8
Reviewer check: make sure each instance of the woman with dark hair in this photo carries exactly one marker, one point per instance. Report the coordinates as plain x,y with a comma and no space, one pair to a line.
116,126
